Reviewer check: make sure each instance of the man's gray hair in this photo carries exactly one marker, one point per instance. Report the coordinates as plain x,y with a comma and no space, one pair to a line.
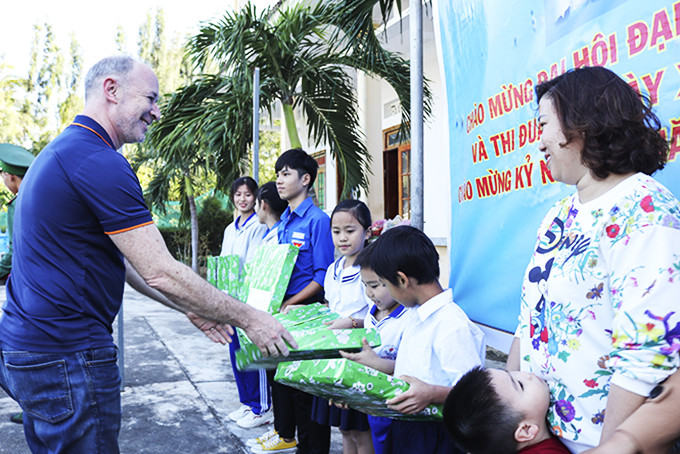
119,65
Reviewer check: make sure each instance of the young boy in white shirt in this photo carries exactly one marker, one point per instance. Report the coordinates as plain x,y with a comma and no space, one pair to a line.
437,348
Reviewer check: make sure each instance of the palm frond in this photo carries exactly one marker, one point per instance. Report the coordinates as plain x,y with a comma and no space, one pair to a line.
304,53
330,107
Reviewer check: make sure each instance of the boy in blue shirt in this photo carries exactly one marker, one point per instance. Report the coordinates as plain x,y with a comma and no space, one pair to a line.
305,226
436,349
308,228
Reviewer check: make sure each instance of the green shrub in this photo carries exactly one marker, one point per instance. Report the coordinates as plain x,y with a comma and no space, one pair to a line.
212,220
178,242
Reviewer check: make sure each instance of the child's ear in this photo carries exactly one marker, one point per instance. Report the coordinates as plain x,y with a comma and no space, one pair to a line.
526,432
402,279
305,179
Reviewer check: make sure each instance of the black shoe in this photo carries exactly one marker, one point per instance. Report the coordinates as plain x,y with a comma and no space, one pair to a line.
17,417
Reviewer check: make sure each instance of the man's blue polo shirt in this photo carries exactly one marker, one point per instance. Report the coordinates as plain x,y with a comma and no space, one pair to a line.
308,228
67,279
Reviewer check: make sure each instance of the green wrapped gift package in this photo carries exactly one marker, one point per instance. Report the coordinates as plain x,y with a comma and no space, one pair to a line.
361,387
268,275
224,273
314,339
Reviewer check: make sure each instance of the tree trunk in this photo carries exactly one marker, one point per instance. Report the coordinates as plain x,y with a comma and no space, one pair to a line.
194,223
291,127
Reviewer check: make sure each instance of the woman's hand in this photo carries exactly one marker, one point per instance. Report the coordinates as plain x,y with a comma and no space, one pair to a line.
619,442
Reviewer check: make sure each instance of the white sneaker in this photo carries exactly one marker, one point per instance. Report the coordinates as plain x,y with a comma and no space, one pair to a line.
239,413
251,420
254,442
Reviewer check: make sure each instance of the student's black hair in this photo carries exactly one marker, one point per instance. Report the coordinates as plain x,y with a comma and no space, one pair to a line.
356,208
269,194
240,181
405,249
363,258
299,160
476,417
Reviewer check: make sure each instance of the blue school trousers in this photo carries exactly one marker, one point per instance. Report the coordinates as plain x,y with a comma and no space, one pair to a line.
252,385
408,437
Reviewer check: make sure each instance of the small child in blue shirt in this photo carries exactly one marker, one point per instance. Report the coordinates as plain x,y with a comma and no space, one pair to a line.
390,319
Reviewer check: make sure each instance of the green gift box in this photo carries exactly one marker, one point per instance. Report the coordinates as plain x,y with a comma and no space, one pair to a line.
360,387
269,272
224,272
211,270
314,339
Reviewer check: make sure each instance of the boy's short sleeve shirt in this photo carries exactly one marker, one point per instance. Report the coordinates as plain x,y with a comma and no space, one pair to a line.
77,192
309,229
440,344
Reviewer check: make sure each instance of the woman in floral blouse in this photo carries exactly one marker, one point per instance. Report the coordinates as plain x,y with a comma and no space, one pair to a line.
600,313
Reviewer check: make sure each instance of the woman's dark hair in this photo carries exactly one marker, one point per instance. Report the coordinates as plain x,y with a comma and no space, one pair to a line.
240,181
269,194
620,131
356,208
477,418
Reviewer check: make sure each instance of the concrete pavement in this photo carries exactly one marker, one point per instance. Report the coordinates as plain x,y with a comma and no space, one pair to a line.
179,389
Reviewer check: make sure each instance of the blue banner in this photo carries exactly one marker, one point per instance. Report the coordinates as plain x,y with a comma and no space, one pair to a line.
494,54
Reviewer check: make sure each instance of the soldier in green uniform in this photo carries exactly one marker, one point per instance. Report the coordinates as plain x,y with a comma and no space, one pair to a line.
14,162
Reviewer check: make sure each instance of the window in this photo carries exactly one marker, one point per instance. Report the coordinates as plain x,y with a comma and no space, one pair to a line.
396,174
320,182
405,187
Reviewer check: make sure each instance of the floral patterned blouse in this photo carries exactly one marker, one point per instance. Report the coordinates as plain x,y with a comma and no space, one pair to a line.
601,302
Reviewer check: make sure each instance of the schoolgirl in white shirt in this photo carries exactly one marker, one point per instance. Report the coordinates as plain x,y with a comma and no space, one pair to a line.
242,237
345,293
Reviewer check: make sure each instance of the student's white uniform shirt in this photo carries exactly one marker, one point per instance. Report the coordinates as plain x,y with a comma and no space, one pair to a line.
244,240
440,344
344,290
390,328
271,236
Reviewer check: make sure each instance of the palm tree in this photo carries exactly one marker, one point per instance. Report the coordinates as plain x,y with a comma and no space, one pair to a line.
304,54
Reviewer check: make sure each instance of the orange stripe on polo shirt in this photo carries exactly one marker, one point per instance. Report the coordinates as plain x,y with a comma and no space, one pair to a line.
130,228
90,129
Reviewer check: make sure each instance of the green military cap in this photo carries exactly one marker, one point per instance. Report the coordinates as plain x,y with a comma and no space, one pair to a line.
14,159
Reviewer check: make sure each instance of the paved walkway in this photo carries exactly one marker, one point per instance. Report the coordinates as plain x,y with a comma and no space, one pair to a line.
179,389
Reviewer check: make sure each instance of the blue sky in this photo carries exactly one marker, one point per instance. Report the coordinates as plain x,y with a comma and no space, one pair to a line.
94,24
